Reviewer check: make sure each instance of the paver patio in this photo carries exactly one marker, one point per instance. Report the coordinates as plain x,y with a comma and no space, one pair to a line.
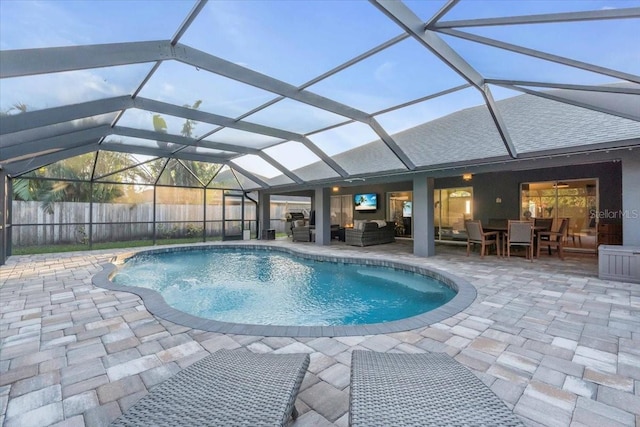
558,345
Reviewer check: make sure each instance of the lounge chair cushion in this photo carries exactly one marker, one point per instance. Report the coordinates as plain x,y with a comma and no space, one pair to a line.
432,389
228,388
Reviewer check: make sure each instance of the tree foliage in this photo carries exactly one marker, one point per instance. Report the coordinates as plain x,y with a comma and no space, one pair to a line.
69,180
183,173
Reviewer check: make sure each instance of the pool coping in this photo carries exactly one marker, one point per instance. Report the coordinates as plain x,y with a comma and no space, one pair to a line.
156,305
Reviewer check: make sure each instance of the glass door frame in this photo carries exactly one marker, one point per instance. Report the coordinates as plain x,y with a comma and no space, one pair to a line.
585,224
341,208
450,228
226,222
400,212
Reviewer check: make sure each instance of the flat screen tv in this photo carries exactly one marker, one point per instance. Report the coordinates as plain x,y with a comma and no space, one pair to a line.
406,209
365,202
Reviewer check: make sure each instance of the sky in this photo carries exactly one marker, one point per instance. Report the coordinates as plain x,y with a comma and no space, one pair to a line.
295,41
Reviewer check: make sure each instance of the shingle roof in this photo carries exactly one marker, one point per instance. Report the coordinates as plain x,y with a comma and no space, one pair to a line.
535,124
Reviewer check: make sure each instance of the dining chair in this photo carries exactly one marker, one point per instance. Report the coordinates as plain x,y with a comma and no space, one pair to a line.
576,231
520,233
475,235
554,239
543,224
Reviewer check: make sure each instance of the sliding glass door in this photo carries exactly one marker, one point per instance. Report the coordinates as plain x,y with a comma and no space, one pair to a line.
576,200
453,206
400,211
342,210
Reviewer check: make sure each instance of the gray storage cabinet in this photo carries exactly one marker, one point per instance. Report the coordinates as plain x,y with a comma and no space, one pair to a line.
620,263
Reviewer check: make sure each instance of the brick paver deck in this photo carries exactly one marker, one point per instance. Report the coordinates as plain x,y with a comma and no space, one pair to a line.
558,345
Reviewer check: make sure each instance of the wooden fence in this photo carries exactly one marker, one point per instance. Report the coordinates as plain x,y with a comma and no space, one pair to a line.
70,222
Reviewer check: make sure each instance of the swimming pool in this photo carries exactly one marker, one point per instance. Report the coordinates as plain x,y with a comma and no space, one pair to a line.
274,291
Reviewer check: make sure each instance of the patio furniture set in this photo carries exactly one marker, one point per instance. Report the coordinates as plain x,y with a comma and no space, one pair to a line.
363,233
240,388
530,235
301,232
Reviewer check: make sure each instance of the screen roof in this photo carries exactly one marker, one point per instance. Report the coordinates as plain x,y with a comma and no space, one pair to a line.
278,94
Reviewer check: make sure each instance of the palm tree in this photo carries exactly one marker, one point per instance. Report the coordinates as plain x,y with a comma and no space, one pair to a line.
180,176
19,107
22,190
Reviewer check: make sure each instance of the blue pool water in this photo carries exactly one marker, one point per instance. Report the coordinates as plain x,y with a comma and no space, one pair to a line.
272,288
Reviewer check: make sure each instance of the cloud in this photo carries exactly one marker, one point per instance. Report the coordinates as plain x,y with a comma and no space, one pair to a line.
385,72
344,138
168,87
292,155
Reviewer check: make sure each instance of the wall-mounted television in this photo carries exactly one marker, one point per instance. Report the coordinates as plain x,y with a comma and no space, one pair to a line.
365,202
406,209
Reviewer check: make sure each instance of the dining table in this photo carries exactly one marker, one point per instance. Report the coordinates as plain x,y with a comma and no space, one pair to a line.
502,230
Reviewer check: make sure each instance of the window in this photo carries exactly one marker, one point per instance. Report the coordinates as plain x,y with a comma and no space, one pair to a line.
342,210
576,200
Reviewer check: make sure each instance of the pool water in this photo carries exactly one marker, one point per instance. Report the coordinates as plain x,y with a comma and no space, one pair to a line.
272,288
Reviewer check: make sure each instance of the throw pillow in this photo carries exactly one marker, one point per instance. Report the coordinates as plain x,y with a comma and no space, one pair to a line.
381,222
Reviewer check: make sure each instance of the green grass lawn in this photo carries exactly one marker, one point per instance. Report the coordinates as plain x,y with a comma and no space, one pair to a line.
45,249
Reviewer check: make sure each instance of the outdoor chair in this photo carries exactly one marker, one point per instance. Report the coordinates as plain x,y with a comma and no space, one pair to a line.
554,239
576,231
227,388
520,233
475,235
294,218
425,389
543,224
300,232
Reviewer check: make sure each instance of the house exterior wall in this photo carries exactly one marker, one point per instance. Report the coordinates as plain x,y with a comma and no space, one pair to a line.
487,187
506,186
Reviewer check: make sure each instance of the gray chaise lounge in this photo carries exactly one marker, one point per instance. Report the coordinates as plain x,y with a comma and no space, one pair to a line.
432,389
228,388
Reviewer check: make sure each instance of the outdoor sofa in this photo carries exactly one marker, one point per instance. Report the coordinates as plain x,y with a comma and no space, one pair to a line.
369,233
